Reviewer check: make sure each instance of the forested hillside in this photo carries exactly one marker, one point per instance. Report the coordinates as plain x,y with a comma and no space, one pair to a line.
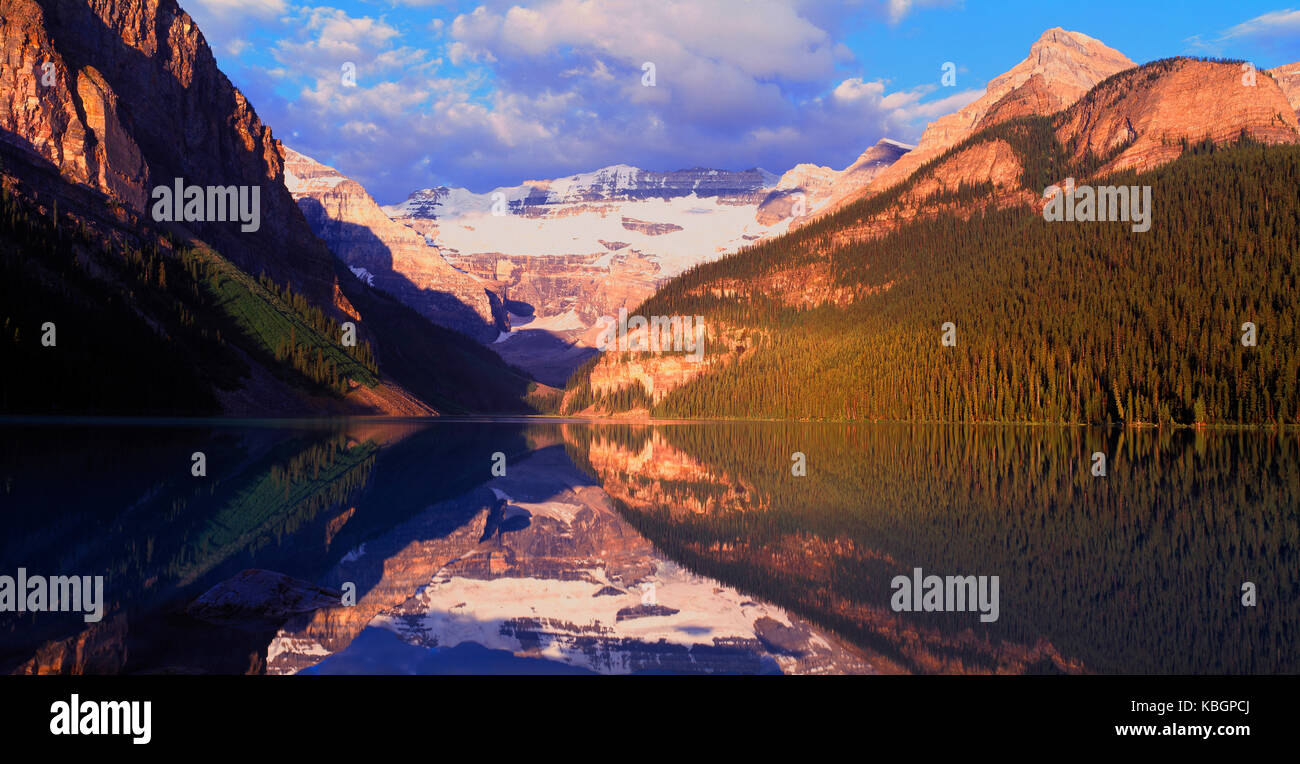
145,323
1055,322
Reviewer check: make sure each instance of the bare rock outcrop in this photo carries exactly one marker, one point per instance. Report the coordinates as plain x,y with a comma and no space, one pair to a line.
1060,68
823,188
1287,77
389,255
126,96
1146,114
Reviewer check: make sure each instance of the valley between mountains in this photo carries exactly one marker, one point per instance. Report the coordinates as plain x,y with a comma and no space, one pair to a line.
823,290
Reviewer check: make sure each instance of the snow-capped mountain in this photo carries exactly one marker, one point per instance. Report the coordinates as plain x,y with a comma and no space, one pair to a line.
545,259
385,254
586,245
675,218
806,188
618,182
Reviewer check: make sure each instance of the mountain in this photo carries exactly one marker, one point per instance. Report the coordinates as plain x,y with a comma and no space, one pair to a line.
388,255
1137,118
842,317
136,101
1288,78
226,302
675,218
561,253
1061,67
820,185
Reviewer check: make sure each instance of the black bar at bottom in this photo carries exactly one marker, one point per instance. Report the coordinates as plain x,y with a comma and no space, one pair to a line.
297,714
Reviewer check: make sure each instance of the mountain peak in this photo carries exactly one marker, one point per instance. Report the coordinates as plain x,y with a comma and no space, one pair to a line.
891,143
1060,34
1061,66
1070,63
136,101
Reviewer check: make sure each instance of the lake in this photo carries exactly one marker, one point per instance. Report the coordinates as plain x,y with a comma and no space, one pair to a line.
552,546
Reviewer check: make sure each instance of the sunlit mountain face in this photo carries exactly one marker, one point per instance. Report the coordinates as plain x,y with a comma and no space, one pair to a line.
729,338
645,549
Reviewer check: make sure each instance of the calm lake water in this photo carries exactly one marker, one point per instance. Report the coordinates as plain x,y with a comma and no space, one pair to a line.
615,548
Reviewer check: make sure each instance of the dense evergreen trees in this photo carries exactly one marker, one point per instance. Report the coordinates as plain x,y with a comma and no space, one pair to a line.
145,325
1056,322
1140,571
130,333
148,324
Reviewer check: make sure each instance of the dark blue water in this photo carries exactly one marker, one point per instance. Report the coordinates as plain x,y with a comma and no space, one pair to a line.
673,548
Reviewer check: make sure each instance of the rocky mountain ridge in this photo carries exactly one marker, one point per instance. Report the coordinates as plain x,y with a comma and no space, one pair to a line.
1060,68
388,255
103,105
135,100
1288,79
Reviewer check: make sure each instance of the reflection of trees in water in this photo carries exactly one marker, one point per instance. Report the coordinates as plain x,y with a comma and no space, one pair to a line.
151,537
277,502
1137,571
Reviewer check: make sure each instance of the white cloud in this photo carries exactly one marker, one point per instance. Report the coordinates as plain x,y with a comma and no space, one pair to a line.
1272,24
225,23
245,8
896,10
505,93
1275,32
759,38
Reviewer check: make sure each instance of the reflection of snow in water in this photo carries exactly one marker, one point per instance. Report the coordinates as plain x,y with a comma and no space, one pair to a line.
688,610
565,583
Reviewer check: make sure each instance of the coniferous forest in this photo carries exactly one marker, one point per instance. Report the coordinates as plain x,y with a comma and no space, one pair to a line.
1137,572
1054,322
94,320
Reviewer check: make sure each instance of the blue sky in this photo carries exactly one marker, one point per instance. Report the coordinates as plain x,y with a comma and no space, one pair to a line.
484,94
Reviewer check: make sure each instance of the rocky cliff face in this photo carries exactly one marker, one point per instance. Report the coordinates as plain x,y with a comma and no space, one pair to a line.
1136,119
1060,68
104,102
1130,118
388,255
1146,113
126,96
1288,78
565,252
807,189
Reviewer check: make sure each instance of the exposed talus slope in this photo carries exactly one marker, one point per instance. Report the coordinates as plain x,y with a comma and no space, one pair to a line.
386,254
133,100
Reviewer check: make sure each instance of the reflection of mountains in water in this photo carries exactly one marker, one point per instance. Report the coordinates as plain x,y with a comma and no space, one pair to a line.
1140,571
543,570
668,548
288,498
155,532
